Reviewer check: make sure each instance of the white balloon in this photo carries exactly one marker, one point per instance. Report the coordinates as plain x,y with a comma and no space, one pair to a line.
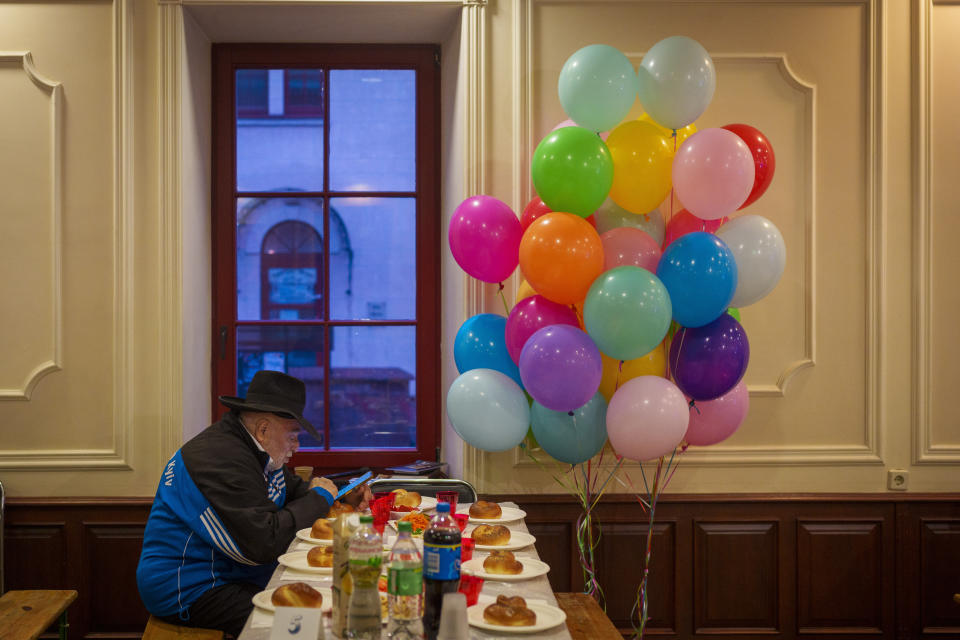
760,254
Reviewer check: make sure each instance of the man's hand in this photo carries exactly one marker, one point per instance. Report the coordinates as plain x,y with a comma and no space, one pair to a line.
324,483
359,497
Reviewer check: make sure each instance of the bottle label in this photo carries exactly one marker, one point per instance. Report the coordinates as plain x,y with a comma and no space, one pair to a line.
406,581
441,562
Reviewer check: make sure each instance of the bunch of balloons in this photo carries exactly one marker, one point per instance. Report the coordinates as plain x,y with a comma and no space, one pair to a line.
625,326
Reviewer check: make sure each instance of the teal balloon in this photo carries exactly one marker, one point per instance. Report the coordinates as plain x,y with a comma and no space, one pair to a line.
572,439
676,81
572,171
627,312
488,410
481,344
597,87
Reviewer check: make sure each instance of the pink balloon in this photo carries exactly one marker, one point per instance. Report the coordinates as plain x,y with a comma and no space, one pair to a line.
685,222
713,173
713,421
485,238
531,314
646,418
629,246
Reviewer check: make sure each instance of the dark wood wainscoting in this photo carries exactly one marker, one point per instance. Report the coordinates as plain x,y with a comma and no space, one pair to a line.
778,566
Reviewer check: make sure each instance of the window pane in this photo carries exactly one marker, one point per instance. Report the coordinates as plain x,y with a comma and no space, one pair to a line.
373,129
373,388
376,276
279,130
297,351
280,258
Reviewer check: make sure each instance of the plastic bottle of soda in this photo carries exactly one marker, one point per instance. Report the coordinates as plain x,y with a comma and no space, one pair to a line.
405,587
366,556
441,566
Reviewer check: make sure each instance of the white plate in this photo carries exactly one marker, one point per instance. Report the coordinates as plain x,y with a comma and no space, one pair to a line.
518,540
508,514
547,618
531,569
262,600
298,560
304,534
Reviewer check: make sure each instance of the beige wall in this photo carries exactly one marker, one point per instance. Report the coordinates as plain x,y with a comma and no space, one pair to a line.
854,355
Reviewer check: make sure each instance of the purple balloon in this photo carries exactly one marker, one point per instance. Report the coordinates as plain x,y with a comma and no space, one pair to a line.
707,362
485,238
560,367
531,314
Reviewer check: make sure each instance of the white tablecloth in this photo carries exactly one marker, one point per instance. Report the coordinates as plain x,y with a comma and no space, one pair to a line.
259,623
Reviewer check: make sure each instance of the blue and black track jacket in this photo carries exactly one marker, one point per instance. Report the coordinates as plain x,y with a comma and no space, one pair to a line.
220,517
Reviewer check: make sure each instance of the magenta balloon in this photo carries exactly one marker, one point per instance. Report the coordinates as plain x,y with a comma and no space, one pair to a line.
485,238
713,421
530,315
560,367
713,173
646,418
630,246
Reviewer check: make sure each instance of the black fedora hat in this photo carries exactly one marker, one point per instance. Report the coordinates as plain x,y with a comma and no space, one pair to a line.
274,392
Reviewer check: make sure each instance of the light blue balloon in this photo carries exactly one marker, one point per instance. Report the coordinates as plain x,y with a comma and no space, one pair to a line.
572,439
597,87
700,274
676,81
481,343
488,410
610,215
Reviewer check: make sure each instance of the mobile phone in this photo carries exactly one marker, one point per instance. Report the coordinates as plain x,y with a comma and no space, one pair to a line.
353,484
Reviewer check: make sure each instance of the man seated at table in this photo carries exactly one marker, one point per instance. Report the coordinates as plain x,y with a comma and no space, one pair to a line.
227,507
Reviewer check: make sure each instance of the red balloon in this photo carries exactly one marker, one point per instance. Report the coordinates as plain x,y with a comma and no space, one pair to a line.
592,221
763,159
684,222
534,209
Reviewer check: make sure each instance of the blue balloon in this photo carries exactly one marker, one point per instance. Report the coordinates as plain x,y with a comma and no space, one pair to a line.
700,274
572,439
481,343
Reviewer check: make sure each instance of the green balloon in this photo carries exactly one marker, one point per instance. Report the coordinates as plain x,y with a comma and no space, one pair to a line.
572,171
733,311
627,312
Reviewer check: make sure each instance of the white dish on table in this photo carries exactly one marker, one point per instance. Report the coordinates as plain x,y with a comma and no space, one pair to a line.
531,569
507,514
262,599
547,617
304,534
297,560
518,540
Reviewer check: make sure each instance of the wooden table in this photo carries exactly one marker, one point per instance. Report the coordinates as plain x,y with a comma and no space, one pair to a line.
24,615
585,619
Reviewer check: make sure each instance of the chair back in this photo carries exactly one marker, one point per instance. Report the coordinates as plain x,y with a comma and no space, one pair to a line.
427,486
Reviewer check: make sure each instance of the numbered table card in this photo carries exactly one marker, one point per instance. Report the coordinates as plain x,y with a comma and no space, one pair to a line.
297,623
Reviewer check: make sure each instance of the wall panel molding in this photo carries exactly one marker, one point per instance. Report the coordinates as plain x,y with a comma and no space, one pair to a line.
925,449
53,88
122,244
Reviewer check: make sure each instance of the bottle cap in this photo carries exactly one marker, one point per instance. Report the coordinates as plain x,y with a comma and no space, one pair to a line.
366,519
443,507
405,525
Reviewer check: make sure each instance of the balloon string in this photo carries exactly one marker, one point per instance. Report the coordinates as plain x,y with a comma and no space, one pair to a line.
619,373
674,365
503,298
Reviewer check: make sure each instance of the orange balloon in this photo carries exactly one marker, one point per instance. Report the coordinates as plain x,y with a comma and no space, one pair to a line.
652,364
560,256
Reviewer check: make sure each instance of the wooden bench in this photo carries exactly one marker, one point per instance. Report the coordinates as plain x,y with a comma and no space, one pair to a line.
24,615
585,619
159,630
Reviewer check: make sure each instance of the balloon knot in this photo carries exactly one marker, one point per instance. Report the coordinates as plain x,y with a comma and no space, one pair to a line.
570,413
500,286
693,405
674,133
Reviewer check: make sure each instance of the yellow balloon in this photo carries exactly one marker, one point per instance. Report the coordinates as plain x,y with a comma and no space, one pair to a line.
652,364
524,291
682,134
642,162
